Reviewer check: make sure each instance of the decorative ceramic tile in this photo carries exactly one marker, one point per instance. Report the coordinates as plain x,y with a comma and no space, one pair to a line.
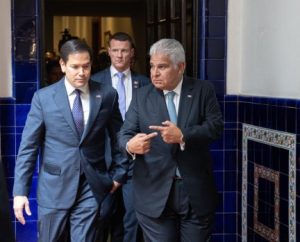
261,174
280,140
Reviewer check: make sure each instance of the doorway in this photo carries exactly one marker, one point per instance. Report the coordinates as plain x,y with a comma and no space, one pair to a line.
146,20
94,21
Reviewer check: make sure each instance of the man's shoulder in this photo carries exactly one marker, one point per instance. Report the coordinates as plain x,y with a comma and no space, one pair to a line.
140,77
101,86
146,89
49,89
101,76
200,83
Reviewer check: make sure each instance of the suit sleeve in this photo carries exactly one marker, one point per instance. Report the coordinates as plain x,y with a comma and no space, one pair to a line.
211,125
120,164
31,141
131,125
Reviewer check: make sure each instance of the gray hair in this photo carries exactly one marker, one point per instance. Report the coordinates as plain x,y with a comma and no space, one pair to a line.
170,47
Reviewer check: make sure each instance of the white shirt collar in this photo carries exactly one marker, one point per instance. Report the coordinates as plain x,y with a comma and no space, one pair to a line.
114,71
70,88
177,89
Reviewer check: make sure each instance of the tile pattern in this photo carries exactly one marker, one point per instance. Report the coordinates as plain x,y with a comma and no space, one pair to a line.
263,208
272,113
281,140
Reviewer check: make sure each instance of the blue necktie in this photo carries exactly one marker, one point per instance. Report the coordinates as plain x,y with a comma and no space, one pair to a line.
121,93
171,107
173,115
77,112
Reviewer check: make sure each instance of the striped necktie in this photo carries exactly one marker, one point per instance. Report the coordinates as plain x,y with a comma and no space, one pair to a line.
77,112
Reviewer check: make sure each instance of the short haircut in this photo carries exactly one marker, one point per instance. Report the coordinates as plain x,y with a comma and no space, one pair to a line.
170,47
121,36
74,46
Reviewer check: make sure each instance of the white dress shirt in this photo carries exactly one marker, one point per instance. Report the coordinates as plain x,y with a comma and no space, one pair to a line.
176,99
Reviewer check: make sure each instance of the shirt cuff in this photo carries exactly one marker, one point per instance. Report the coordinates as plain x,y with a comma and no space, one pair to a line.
133,156
182,144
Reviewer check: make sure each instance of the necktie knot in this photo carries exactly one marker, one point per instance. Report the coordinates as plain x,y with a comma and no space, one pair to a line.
77,92
120,75
171,95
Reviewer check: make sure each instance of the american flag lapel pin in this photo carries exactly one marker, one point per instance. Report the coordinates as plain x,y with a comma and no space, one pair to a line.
135,84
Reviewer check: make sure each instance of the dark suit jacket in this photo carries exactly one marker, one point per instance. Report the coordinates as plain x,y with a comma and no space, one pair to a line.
200,120
138,81
50,129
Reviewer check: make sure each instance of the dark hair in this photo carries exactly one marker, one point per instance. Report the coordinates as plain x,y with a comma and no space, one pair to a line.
121,36
74,46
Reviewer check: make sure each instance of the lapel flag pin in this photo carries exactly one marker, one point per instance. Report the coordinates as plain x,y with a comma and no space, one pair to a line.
135,84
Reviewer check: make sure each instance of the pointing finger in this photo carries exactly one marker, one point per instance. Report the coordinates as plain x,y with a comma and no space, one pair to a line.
150,136
140,135
167,123
156,127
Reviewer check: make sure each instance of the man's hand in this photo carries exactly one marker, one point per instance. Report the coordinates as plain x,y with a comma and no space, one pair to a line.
115,186
170,133
140,143
21,202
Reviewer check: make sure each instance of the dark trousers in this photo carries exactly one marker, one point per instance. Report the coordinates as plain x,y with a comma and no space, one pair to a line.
111,218
132,231
79,223
178,222
117,217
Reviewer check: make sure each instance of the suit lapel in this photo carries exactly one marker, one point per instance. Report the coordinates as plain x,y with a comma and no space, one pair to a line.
62,102
95,103
159,104
136,83
185,104
107,76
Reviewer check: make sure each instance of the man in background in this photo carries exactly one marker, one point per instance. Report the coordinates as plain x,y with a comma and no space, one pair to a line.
66,125
53,71
168,130
126,82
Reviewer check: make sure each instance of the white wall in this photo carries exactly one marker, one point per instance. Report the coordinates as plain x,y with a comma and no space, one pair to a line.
264,48
5,49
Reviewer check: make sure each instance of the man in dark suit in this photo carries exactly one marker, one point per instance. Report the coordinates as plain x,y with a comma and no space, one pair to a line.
168,130
67,123
123,224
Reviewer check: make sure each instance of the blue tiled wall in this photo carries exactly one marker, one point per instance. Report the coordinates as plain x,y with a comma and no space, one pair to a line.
273,113
212,42
26,76
278,114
